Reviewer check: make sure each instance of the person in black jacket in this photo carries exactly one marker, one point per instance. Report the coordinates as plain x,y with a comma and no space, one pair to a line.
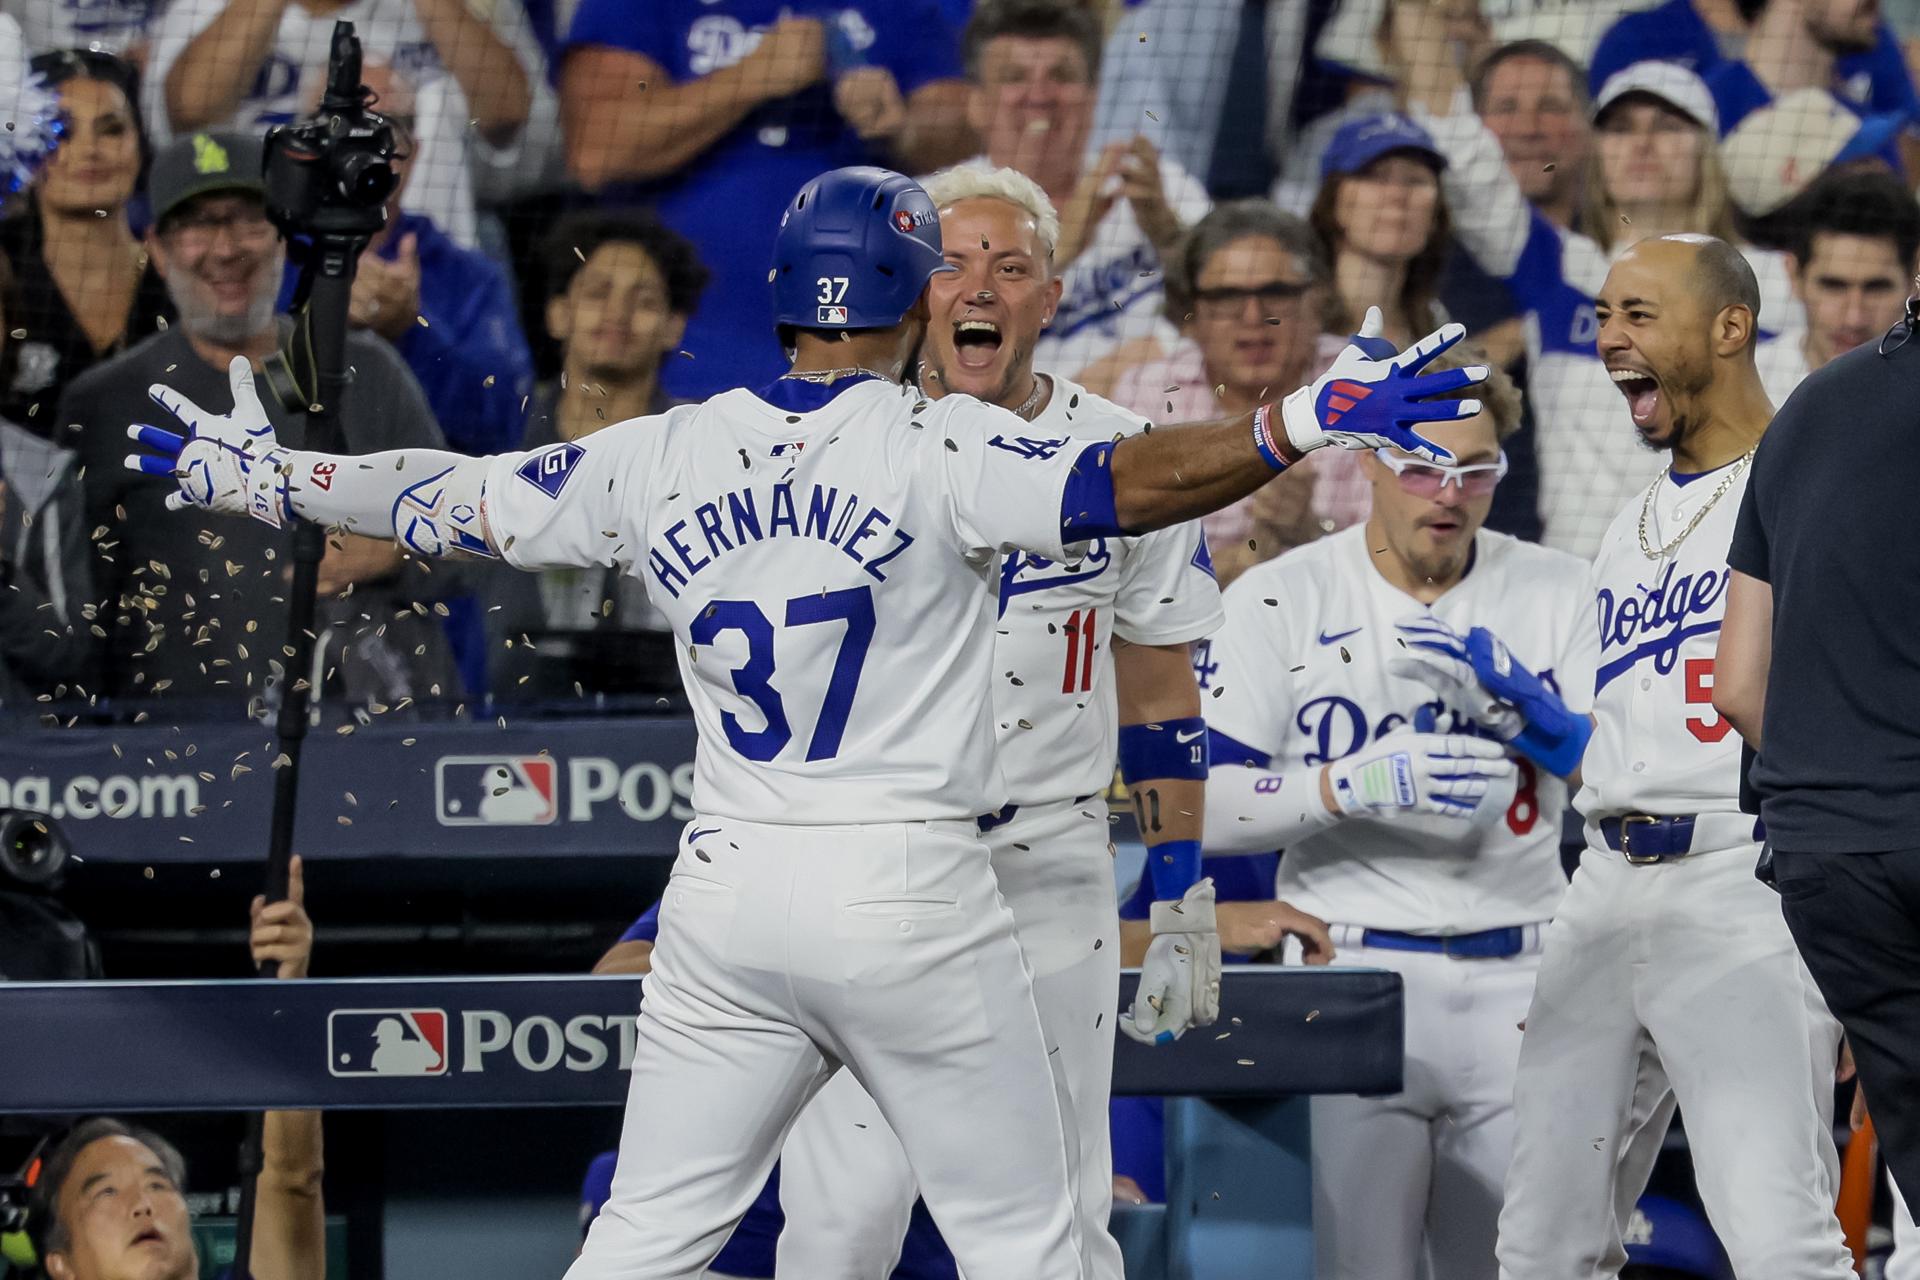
46,646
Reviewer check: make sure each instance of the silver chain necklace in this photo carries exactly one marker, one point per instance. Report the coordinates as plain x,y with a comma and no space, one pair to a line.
1647,548
834,375
1032,402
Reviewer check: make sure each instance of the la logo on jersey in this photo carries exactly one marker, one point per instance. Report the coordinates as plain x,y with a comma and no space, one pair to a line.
549,469
387,1042
1030,448
496,791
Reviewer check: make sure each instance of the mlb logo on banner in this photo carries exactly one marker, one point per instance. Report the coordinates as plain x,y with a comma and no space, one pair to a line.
496,791
831,315
387,1042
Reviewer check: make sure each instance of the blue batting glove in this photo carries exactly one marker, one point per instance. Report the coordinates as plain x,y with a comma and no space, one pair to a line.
1479,674
1372,397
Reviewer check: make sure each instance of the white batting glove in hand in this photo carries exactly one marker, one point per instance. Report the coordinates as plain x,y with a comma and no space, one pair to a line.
1180,978
231,463
1428,656
1440,773
1373,395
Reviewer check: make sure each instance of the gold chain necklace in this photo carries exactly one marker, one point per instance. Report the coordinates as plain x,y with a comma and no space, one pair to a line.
1647,548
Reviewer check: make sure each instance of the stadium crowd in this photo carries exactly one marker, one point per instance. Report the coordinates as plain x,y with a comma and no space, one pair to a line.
1236,183
589,196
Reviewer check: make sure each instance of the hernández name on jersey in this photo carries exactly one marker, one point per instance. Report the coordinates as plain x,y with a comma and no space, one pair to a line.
866,534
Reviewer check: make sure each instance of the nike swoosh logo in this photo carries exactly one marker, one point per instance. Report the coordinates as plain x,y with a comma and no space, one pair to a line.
697,832
1187,737
1338,635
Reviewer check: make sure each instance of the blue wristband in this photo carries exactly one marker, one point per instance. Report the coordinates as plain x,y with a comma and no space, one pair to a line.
1169,749
1087,503
1174,867
1263,441
1557,752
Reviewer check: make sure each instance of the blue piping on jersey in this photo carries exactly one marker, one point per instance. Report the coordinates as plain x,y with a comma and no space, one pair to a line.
1223,750
1669,643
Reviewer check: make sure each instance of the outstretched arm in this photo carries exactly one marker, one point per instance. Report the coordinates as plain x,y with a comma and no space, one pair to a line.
1364,401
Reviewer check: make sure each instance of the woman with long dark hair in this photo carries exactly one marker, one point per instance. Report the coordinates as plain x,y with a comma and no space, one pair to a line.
84,286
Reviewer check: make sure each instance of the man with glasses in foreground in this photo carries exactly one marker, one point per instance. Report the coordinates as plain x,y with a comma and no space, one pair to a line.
1411,830
196,609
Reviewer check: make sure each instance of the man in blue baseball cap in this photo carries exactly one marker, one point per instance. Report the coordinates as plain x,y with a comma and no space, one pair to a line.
826,549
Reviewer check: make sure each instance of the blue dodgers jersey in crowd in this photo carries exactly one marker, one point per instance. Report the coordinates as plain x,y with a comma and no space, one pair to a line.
728,200
1876,81
749,1252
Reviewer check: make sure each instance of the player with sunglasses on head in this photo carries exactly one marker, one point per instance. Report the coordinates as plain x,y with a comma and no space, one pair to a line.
1430,847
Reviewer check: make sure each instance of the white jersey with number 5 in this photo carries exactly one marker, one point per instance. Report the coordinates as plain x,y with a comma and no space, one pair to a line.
1054,699
829,576
1658,745
1301,672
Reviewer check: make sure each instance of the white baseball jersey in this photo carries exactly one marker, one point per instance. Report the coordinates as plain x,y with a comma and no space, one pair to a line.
287,86
1058,620
112,25
829,575
1658,745
1301,666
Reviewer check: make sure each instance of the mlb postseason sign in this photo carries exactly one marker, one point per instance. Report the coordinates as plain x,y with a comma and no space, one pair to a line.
199,793
569,1041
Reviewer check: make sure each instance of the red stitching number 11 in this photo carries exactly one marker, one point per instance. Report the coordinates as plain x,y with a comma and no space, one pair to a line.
1079,674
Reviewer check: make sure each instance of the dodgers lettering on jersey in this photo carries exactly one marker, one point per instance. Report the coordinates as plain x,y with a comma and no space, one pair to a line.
834,603
1658,745
1302,670
1058,618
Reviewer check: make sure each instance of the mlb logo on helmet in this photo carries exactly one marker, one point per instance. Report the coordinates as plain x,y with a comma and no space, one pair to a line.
496,791
903,219
831,315
387,1042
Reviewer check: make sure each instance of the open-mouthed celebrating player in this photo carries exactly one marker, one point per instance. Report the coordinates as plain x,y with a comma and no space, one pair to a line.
827,548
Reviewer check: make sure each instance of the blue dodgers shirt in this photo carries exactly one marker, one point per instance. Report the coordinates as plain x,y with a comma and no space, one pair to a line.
1873,82
728,200
749,1252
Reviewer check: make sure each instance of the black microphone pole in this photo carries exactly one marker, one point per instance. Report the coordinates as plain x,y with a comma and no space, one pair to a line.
336,199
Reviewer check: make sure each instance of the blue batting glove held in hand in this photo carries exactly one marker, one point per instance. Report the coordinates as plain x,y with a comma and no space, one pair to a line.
231,463
1372,400
1480,674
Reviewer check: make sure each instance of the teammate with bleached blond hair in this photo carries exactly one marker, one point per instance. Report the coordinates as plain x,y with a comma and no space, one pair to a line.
1090,656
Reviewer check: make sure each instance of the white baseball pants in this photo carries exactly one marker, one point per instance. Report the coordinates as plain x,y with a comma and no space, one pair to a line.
786,952
1419,1174
846,1185
1676,982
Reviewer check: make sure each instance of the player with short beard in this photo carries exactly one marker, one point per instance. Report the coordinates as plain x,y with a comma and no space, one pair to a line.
1669,975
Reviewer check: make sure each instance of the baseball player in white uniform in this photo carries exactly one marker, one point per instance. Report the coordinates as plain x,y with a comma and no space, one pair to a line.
827,551
1669,975
1065,695
1407,826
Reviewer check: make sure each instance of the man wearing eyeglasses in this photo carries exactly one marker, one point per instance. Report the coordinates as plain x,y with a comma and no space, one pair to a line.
193,609
1429,848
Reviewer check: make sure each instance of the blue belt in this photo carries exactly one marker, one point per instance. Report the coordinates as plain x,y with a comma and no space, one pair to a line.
1000,818
1645,839
988,821
1488,944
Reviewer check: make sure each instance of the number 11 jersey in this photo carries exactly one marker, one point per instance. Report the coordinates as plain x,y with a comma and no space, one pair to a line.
829,569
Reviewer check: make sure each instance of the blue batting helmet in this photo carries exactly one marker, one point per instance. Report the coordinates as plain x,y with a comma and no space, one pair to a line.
855,249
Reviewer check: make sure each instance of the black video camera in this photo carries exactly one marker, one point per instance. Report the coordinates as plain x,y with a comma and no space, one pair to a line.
329,175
